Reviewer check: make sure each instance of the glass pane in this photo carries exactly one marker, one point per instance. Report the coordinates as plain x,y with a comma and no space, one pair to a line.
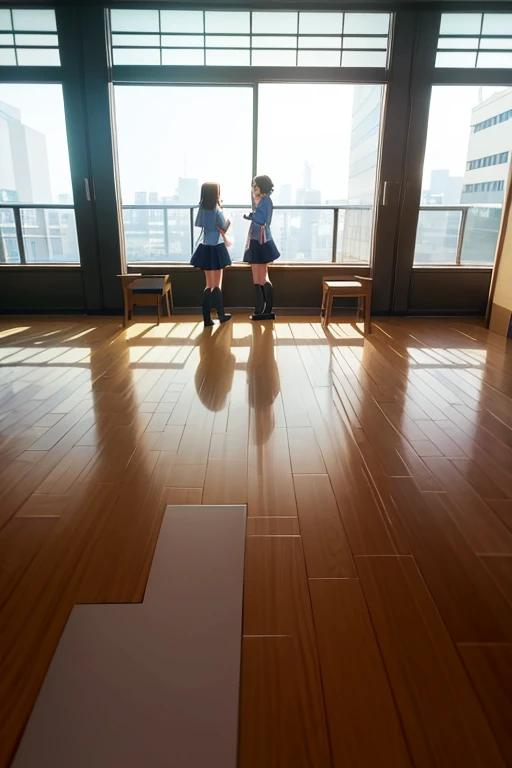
38,57
274,22
5,19
355,235
7,57
183,41
274,58
228,58
366,23
164,158
320,23
183,56
481,235
37,40
496,43
458,42
182,21
136,40
437,237
9,252
305,171
134,21
33,144
366,42
6,39
234,41
498,60
320,42
274,42
148,239
34,19
49,235
228,21
303,236
364,59
461,23
136,56
465,60
497,24
319,58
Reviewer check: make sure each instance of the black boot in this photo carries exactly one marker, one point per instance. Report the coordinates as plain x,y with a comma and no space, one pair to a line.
268,290
219,305
259,305
207,300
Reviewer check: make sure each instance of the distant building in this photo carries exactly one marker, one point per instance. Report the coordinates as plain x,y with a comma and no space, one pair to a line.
489,150
188,191
24,170
444,189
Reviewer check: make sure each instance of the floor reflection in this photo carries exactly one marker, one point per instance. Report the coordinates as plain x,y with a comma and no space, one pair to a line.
214,374
263,378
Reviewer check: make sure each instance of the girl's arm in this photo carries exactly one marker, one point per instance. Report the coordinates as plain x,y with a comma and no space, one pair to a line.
262,212
222,222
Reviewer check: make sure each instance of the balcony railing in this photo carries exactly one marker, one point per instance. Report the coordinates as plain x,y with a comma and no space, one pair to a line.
156,233
38,234
457,235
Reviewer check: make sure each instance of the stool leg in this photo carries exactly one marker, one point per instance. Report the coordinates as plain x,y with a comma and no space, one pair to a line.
126,308
322,308
367,314
167,304
328,310
158,308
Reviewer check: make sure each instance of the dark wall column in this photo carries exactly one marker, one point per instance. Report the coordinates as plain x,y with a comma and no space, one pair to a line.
100,131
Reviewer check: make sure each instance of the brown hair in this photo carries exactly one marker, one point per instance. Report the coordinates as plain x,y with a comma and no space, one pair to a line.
210,195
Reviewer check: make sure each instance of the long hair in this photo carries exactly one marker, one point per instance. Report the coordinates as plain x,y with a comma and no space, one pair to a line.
210,195
265,184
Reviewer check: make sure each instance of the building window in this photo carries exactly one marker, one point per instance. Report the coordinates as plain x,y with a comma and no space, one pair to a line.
485,186
484,162
475,40
28,38
501,118
249,38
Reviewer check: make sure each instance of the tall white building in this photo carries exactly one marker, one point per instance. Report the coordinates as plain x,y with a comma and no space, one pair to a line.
24,170
489,150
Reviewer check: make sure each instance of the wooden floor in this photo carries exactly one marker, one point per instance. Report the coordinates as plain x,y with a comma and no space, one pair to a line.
378,478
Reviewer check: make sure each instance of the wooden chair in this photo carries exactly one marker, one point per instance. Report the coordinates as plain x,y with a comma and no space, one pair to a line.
147,292
352,287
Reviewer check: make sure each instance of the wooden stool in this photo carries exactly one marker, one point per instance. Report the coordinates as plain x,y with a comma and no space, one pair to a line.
358,287
146,292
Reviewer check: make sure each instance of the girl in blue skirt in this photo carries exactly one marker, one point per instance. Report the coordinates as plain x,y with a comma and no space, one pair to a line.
260,248
211,255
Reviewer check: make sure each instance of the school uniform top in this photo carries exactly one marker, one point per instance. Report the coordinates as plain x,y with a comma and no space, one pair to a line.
261,217
211,221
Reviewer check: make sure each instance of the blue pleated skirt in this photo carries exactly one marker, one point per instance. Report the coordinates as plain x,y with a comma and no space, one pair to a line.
211,257
261,253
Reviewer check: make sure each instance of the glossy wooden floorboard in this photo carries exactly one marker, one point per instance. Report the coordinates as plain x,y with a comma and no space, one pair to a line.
377,475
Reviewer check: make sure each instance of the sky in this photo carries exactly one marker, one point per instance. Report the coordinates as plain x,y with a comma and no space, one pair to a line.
206,133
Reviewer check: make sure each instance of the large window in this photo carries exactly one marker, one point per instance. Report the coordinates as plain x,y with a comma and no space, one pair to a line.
171,139
35,181
319,143
464,175
249,38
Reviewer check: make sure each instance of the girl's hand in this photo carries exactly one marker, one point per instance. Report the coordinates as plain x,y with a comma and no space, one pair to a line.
248,216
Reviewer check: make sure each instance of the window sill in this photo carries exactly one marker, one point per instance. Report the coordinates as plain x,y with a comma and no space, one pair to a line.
323,265
39,265
453,267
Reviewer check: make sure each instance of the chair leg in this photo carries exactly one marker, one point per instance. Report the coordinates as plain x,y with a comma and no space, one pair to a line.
171,300
359,306
167,304
126,308
367,314
158,308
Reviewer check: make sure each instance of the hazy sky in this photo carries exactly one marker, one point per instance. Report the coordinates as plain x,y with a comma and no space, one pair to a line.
206,133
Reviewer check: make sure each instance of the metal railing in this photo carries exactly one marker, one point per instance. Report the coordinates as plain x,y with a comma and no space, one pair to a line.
490,232
166,207
22,235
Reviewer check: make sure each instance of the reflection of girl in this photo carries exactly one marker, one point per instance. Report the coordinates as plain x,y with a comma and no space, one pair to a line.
211,255
214,374
261,249
263,378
